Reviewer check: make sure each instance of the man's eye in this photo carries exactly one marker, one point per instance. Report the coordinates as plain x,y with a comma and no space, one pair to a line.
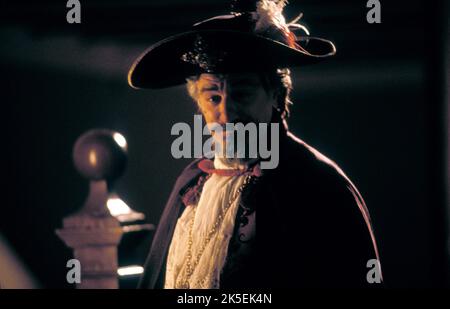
215,99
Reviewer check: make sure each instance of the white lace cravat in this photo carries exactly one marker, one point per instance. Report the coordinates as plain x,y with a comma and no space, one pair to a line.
215,195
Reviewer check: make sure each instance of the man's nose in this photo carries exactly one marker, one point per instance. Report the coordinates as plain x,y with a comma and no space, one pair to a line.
228,110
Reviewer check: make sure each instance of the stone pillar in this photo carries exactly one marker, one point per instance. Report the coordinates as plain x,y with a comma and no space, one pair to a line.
92,232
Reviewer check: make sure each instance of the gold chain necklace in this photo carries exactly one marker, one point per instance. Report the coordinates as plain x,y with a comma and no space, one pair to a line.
190,267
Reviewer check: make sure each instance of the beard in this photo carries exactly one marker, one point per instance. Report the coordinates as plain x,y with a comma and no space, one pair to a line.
230,152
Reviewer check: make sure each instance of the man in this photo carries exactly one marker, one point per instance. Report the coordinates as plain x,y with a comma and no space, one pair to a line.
228,222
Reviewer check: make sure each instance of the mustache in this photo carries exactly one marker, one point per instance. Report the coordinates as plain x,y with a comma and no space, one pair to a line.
243,120
223,126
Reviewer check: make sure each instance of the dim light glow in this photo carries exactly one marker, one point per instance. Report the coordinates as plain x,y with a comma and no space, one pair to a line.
93,158
117,207
120,140
130,270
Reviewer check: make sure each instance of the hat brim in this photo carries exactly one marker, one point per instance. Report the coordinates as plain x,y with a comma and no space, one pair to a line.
161,65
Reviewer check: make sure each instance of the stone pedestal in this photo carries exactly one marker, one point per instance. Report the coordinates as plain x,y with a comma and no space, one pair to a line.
92,232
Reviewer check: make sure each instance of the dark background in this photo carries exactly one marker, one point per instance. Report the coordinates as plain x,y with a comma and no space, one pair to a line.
378,108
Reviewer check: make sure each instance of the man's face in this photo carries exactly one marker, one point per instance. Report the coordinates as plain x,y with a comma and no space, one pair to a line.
234,98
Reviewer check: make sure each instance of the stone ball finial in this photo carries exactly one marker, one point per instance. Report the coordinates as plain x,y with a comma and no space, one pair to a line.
100,154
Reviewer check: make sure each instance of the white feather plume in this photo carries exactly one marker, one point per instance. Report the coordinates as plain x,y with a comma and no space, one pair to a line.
269,14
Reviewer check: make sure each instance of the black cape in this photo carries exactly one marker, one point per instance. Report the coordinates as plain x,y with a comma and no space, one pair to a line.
302,224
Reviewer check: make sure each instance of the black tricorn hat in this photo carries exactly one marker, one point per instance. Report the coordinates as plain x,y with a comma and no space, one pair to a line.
254,37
